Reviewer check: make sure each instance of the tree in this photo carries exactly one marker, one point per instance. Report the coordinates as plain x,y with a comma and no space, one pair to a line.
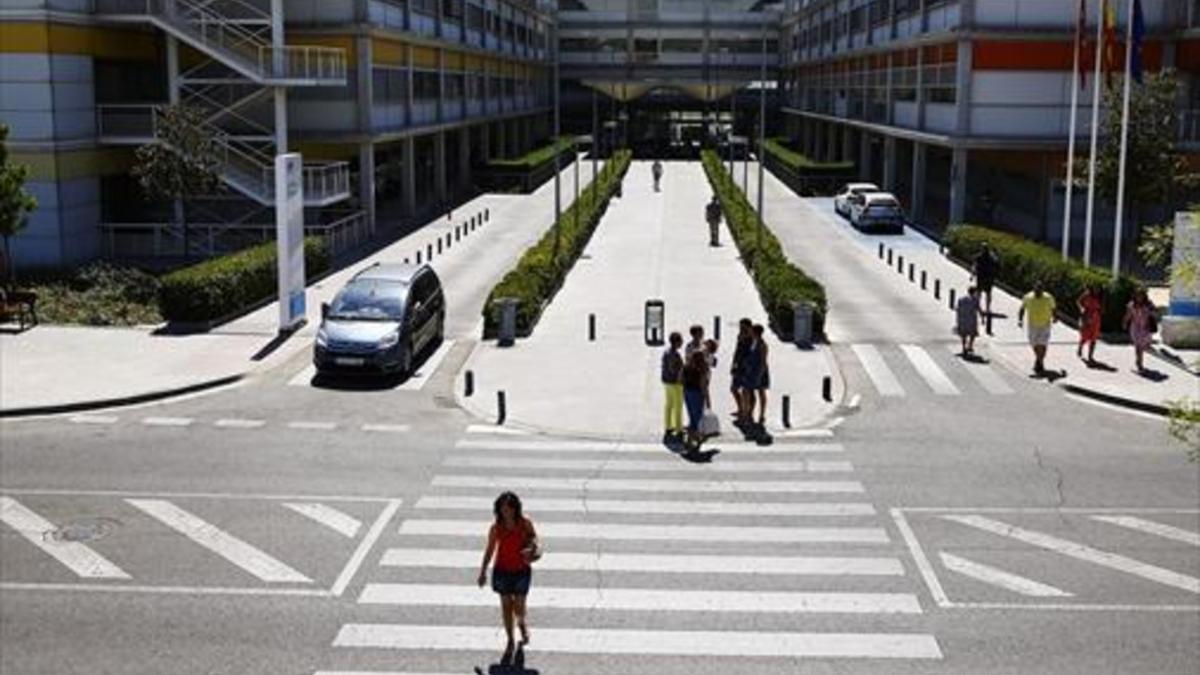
184,161
15,203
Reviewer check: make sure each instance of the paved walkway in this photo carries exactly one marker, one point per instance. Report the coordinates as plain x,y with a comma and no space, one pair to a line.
649,245
912,314
51,368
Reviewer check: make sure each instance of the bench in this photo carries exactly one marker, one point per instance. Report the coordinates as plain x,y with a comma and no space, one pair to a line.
19,305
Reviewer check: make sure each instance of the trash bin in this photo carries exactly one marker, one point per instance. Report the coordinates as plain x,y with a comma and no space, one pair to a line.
508,322
802,324
656,321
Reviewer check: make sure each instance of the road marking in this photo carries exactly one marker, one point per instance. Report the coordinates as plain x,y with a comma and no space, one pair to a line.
631,532
167,421
985,375
312,426
197,495
77,557
877,370
303,378
699,508
494,429
364,547
328,516
239,424
1151,527
637,485
623,447
1081,552
605,563
373,672
929,371
647,642
94,419
387,428
220,542
997,577
417,380
646,599
666,465
805,433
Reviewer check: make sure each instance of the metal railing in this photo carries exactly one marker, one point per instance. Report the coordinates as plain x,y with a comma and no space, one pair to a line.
228,37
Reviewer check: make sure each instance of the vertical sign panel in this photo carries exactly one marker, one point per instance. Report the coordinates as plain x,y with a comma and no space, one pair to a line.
289,234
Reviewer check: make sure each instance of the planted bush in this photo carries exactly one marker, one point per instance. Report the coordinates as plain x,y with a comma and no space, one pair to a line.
539,273
798,162
780,283
233,283
537,156
1022,262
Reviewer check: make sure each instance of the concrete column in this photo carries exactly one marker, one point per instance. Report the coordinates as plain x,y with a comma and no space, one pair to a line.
889,163
439,167
485,141
441,64
958,185
848,135
502,139
464,159
277,41
366,85
916,202
865,168
366,181
409,196
831,142
920,84
514,138
963,71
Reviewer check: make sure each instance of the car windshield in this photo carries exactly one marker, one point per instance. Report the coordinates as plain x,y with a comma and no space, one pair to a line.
369,300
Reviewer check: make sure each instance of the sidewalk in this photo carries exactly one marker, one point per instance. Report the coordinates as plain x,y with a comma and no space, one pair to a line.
1114,382
63,368
649,245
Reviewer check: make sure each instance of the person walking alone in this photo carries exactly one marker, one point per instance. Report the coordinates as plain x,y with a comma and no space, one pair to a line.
512,540
763,383
967,315
712,214
1141,324
1091,309
985,268
657,170
695,392
672,379
1039,305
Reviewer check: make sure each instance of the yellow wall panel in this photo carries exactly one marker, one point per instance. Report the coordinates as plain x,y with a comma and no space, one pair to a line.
454,60
50,166
387,52
425,57
108,43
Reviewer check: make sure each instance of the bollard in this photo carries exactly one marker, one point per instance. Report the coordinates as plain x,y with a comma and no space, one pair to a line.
827,389
881,250
457,233
937,289
924,278
487,215
989,323
889,256
787,411
900,265
469,384
501,408
418,257
591,327
912,269
406,261
447,240
439,245
429,252
951,299
717,328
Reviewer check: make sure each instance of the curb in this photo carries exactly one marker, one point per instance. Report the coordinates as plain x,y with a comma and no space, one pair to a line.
1132,404
98,404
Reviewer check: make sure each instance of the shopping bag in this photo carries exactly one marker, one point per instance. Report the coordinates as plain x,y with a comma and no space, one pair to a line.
710,424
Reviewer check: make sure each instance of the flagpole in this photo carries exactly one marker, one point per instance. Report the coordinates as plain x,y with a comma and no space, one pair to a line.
1129,46
1091,199
1080,26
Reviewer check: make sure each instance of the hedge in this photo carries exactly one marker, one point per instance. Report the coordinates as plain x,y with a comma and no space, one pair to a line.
539,274
233,283
537,156
780,283
798,162
1023,261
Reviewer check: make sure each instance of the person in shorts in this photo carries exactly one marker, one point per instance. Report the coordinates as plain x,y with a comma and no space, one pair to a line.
513,542
1039,305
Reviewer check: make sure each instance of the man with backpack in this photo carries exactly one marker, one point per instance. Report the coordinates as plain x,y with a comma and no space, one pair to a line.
657,170
712,213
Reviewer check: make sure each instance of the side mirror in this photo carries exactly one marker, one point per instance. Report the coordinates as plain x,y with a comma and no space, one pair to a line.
324,310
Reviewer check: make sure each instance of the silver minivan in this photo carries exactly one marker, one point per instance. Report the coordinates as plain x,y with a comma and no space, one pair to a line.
381,320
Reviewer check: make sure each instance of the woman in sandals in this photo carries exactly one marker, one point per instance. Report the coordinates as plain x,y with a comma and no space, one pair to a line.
513,542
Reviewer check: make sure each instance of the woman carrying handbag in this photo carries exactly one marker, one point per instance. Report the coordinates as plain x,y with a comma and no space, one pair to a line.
513,541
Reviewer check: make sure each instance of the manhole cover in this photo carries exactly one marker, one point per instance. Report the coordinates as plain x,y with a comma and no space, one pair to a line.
87,529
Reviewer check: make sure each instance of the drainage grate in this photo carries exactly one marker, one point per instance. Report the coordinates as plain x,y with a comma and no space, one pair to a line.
86,529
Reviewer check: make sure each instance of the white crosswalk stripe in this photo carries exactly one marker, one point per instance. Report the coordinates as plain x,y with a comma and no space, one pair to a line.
75,556
627,532
877,370
933,376
667,465
929,371
728,449
986,376
1151,527
328,516
658,507
639,485
998,577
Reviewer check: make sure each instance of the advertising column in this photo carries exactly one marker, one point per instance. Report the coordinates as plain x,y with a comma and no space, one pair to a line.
289,235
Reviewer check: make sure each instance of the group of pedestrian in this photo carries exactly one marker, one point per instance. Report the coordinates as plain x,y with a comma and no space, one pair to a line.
687,372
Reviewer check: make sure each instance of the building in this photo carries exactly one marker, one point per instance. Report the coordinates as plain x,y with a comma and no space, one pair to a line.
962,107
391,102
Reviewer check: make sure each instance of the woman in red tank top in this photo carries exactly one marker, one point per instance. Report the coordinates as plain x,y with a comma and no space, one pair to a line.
513,542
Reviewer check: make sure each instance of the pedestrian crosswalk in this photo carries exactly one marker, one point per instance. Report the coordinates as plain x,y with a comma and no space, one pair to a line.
895,371
646,556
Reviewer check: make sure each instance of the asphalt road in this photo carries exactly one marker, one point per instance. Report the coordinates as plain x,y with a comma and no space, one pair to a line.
279,527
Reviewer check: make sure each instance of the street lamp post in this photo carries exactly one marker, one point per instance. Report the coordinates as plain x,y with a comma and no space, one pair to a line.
732,112
762,129
595,135
557,152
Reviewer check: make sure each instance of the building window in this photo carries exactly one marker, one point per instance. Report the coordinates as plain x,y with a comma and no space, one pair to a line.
389,85
425,86
452,10
474,17
455,87
426,7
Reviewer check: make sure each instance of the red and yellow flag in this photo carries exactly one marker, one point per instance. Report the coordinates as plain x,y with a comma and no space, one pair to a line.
1112,61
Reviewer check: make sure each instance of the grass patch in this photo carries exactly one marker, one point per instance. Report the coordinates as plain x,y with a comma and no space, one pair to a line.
536,157
798,162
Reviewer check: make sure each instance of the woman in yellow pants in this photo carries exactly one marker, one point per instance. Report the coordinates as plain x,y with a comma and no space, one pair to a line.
672,379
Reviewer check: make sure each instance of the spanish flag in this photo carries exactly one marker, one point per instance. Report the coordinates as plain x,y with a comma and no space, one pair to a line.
1111,60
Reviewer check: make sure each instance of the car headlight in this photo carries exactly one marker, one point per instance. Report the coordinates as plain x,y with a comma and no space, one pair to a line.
390,340
322,338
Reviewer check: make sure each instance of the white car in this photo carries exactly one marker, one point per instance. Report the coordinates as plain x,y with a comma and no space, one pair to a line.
877,212
846,196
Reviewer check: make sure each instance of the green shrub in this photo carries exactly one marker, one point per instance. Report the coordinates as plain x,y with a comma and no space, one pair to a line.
798,162
539,273
100,294
1023,261
224,286
537,156
780,283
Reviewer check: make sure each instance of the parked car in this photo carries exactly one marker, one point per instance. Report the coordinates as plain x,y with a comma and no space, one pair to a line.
877,212
381,320
847,195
